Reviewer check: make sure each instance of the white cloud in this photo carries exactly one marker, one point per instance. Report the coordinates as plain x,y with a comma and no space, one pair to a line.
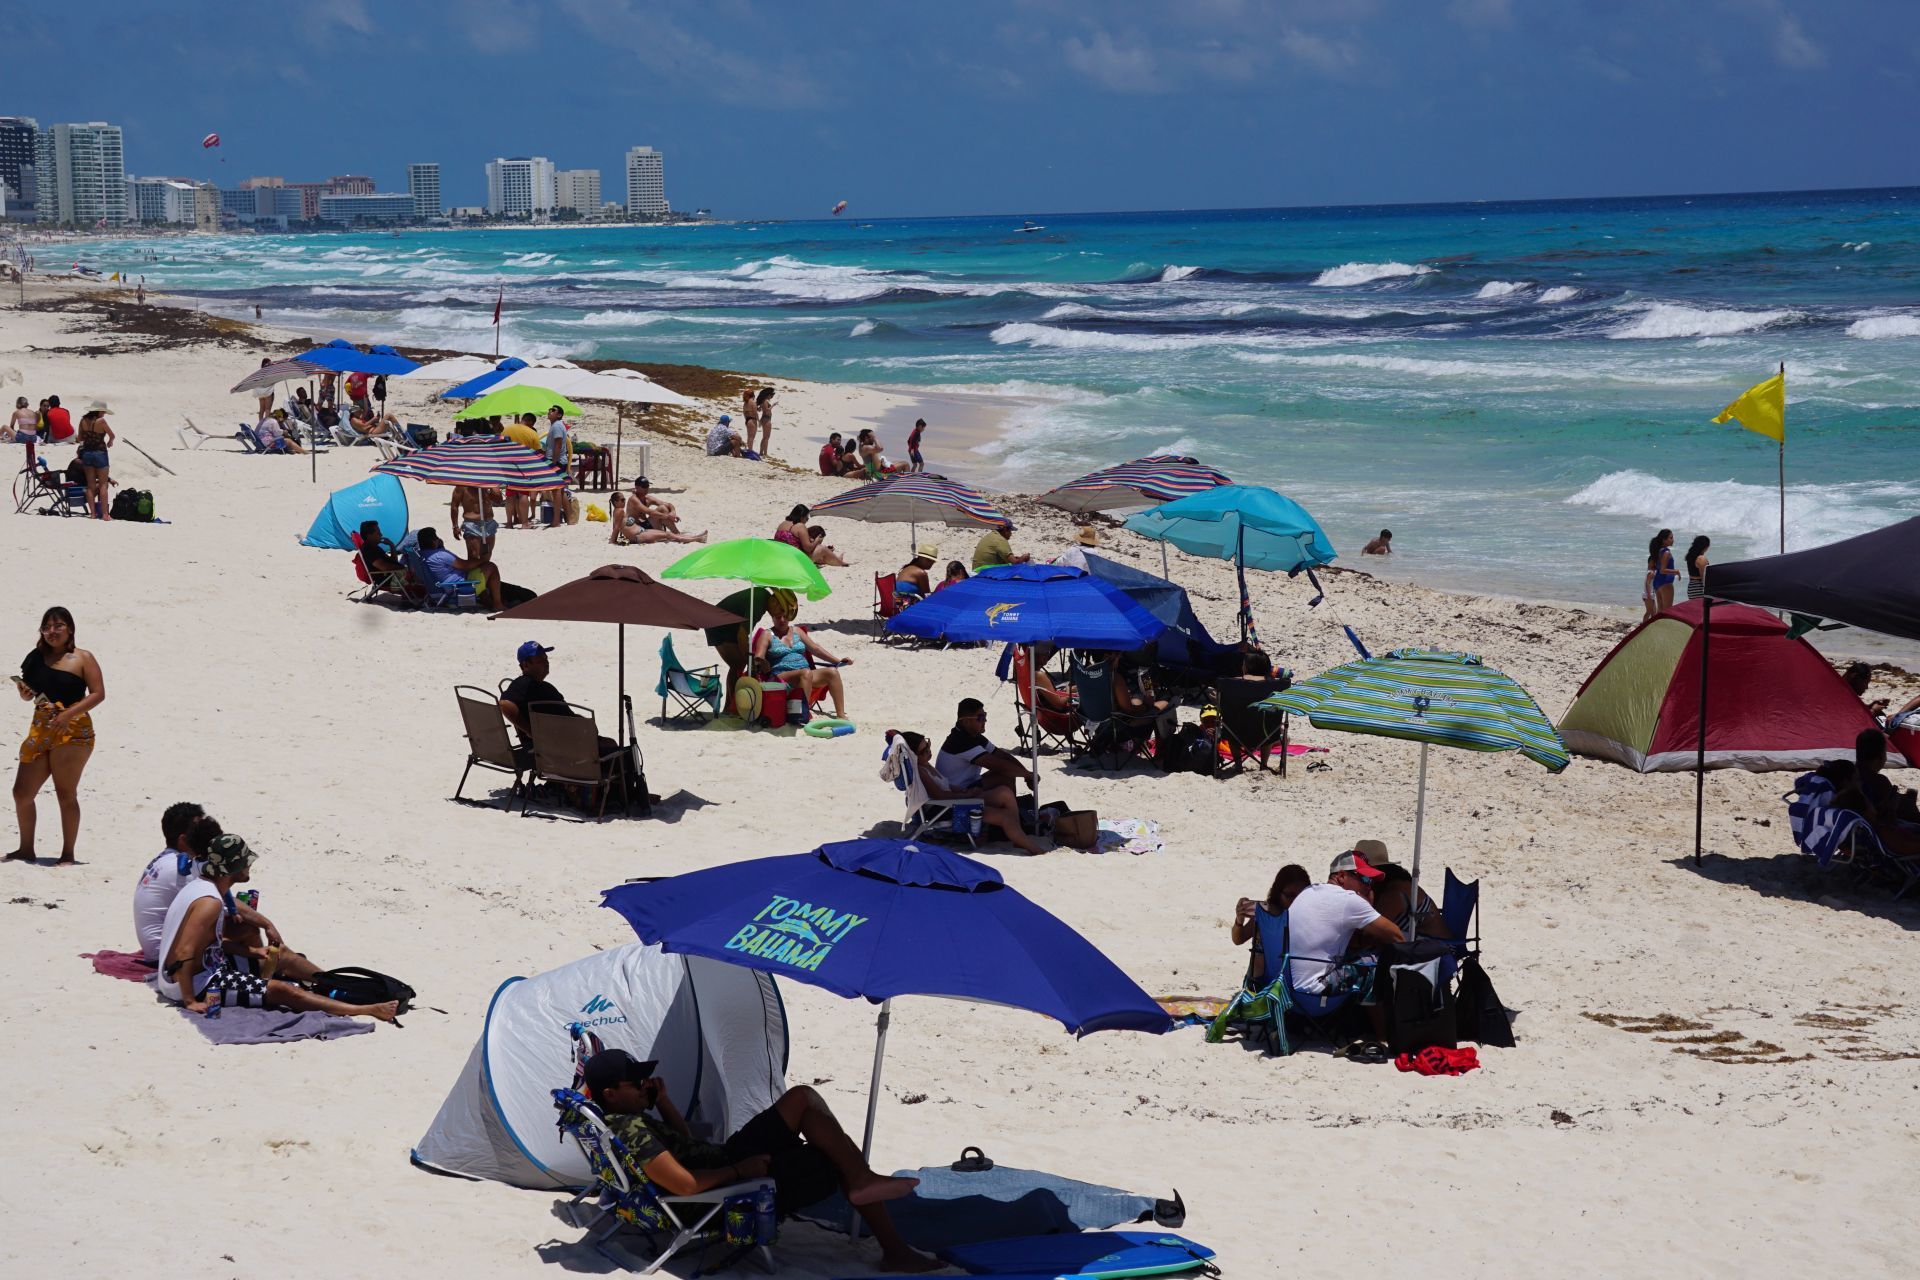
665,49
1123,68
1327,56
1793,48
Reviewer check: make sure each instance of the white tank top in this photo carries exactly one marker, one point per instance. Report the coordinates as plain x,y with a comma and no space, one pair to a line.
210,959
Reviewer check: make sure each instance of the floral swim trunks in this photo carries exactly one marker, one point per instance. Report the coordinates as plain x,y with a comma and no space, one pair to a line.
41,739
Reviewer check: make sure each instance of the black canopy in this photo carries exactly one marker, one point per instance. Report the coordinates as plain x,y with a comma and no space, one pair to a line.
1872,581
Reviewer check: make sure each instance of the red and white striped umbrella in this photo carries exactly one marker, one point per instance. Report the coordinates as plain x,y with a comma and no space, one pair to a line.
1144,482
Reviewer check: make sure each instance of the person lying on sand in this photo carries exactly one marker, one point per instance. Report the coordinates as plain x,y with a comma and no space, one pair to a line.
797,1142
198,970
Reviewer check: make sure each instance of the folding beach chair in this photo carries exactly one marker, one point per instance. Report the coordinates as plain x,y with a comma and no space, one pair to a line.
1056,728
1264,1003
373,582
1833,835
886,600
1251,732
695,694
191,436
42,489
488,744
1104,732
626,1198
899,766
567,752
429,594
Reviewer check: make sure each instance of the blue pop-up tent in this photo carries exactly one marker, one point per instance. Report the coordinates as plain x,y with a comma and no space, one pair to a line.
378,497
1185,644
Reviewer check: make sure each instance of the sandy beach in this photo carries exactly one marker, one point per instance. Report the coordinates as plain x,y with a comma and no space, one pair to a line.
1716,1069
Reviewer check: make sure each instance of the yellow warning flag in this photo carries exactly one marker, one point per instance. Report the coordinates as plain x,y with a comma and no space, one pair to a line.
1762,409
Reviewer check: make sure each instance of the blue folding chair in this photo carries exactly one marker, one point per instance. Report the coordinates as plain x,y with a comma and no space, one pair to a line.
49,492
694,692
434,595
1264,1002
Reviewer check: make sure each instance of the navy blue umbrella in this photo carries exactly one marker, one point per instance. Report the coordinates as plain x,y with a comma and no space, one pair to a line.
1027,604
875,919
480,384
342,356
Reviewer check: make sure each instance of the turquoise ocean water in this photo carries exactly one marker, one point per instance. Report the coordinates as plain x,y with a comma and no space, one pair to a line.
1522,391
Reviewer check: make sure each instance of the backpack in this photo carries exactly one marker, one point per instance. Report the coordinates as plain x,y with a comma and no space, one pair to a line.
329,417
380,387
144,509
351,985
132,504
1193,751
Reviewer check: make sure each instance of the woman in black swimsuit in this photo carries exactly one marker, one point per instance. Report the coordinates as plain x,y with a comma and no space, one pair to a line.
64,684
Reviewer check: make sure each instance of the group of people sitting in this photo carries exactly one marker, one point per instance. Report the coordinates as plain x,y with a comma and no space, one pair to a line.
1861,786
642,517
969,768
860,456
210,945
439,569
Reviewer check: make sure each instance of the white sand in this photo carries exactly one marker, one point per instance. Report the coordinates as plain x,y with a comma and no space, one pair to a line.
325,731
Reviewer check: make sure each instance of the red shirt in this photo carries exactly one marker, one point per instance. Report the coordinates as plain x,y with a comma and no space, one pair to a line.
357,385
59,422
829,460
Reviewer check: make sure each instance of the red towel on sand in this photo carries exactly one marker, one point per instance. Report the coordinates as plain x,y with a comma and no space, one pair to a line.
1436,1061
130,965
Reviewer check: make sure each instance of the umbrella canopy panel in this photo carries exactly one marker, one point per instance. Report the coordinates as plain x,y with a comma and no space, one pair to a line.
1028,603
488,461
342,356
269,375
761,561
914,499
1857,581
520,399
625,595
1246,524
1144,482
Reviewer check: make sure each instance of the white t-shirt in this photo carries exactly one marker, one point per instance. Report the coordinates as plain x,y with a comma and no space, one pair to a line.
955,761
1320,924
210,959
159,884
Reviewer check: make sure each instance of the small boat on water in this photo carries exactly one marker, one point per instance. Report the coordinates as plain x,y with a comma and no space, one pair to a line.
1030,226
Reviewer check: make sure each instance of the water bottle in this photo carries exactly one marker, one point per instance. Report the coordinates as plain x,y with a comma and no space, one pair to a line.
796,707
764,1220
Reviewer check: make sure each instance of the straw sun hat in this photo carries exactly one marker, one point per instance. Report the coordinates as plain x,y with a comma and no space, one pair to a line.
98,406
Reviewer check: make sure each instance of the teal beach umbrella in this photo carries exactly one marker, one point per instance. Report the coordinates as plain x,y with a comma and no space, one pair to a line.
1432,698
1254,527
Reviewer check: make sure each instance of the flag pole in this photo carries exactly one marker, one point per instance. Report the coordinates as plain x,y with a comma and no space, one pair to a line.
1783,458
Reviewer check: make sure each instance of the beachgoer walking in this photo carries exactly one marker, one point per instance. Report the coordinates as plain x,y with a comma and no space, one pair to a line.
266,392
1696,562
96,437
913,445
64,684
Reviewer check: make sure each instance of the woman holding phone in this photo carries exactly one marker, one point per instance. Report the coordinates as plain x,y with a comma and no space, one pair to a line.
63,683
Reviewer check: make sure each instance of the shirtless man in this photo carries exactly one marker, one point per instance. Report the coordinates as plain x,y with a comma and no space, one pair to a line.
642,519
1380,546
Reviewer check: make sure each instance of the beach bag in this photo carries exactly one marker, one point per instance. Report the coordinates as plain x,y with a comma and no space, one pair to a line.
1420,1008
143,510
1079,828
1193,751
1482,1018
351,985
596,513
128,504
572,506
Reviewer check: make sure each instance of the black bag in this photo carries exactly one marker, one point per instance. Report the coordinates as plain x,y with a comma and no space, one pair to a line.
423,436
380,387
132,504
1419,1013
352,985
1483,1019
329,417
1194,750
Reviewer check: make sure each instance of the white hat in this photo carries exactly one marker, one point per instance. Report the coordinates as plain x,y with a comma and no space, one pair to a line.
98,406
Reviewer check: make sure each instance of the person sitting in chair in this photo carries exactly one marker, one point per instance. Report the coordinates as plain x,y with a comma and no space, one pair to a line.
998,808
1890,810
956,572
912,579
1286,886
797,1142
792,657
380,555
1323,922
968,760
1048,695
199,969
1393,896
530,688
1135,703
449,570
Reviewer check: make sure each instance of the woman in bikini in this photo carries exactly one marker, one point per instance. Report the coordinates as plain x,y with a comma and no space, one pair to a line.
64,684
790,654
95,438
26,427
763,407
810,540
749,417
1661,549
1696,562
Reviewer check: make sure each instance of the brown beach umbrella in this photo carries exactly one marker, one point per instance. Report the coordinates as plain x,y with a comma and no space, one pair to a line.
625,596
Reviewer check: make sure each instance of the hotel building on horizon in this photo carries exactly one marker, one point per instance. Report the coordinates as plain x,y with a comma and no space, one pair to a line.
519,186
80,174
578,190
646,182
423,184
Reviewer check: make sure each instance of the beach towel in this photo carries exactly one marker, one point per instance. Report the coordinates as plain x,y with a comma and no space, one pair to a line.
130,965
1439,1062
1129,835
274,1026
1192,1011
950,1208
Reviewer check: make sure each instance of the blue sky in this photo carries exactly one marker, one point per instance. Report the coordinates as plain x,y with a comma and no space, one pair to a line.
778,109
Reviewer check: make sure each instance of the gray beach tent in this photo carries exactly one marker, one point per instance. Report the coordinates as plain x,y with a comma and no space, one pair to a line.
719,1032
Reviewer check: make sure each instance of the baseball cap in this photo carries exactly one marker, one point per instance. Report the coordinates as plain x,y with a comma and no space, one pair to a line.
1355,863
610,1067
726,418
228,855
532,649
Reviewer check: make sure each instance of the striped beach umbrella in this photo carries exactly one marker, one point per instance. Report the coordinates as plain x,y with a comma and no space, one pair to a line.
1429,697
1144,482
491,462
914,500
270,375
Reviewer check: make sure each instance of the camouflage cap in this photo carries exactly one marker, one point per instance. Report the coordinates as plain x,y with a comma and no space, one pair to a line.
228,855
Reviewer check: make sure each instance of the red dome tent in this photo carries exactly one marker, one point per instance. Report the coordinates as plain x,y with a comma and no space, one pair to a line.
1773,703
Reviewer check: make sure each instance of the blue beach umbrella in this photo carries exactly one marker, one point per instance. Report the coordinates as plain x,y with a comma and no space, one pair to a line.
875,919
1027,604
478,386
1252,526
342,356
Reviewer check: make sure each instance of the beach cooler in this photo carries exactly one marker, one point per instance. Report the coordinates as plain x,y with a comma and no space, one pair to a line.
773,703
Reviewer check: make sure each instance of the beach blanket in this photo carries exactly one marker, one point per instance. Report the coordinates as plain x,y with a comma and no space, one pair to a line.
274,1026
130,965
1129,835
1191,1011
950,1208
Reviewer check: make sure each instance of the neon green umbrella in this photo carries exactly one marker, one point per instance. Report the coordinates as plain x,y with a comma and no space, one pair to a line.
512,400
761,561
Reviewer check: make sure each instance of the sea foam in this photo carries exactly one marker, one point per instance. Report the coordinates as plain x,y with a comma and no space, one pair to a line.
1352,273
1816,514
1502,288
1671,320
1898,325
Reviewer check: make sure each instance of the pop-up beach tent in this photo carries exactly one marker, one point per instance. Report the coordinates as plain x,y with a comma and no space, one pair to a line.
1773,703
718,1030
378,497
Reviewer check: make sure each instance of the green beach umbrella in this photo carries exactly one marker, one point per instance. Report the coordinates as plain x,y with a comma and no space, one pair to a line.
760,561
512,400
1432,698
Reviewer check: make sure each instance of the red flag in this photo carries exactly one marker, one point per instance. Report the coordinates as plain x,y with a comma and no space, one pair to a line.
496,304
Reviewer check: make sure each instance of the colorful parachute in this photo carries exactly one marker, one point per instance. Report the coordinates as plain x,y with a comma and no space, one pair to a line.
838,208
211,140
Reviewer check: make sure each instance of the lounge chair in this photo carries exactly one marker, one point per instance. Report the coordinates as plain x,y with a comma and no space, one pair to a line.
625,1197
48,492
695,693
191,436
487,742
1264,1003
567,752
1249,731
901,767
1832,835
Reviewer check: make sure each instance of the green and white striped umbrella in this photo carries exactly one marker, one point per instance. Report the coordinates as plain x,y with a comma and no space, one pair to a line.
1432,698
1423,695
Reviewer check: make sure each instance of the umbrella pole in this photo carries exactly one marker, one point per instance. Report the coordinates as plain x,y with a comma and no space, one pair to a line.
313,444
873,1096
1164,571
1033,739
1700,739
1419,824
619,430
623,680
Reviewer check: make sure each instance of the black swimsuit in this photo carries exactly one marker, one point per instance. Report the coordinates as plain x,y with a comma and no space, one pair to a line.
55,685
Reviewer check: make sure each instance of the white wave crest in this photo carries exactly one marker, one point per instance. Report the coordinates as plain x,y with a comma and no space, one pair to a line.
1352,273
1671,320
1898,325
861,330
1177,273
1425,368
1560,293
1815,514
1502,288
1040,335
529,260
614,319
1074,311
